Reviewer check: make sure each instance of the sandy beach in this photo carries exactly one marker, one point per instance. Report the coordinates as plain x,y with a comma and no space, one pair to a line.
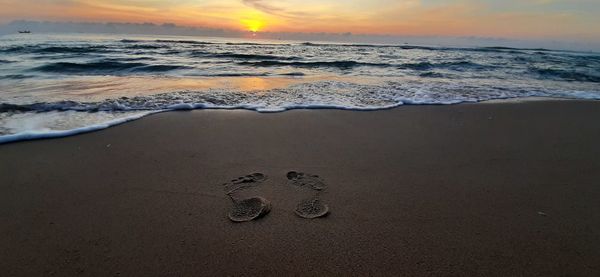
502,189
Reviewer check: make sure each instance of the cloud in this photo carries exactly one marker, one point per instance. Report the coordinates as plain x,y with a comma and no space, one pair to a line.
566,19
269,8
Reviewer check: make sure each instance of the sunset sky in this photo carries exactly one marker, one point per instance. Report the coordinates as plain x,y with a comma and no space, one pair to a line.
548,19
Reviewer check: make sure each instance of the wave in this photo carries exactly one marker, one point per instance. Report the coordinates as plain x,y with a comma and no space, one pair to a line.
13,49
254,57
311,95
181,101
361,45
182,41
417,66
594,58
502,49
323,93
457,66
146,46
497,49
16,76
105,66
256,44
241,56
210,43
567,75
409,47
6,61
247,74
421,47
32,135
7,107
414,47
336,64
432,75
37,49
232,74
129,59
293,74
205,42
71,49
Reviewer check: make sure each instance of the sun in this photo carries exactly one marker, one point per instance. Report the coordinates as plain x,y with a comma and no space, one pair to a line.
253,25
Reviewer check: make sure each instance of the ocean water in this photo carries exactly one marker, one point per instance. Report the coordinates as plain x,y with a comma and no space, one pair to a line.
55,85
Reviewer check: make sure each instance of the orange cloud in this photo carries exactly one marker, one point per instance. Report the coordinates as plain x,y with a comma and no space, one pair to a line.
399,17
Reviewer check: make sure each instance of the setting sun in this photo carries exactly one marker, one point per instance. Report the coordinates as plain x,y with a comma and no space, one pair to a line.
253,25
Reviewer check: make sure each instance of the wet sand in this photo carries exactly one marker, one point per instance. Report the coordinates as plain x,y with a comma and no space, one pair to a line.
503,189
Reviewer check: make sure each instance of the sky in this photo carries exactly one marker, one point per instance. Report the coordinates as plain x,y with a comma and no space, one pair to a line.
577,20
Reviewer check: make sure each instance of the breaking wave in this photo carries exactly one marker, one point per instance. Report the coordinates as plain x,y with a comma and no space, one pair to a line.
104,67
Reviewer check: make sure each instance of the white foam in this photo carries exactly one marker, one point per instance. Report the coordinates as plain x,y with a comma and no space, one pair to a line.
48,133
64,118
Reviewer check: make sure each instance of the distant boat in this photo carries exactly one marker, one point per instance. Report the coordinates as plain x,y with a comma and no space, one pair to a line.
25,32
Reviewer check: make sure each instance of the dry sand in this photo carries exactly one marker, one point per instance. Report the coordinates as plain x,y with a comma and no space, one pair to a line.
510,189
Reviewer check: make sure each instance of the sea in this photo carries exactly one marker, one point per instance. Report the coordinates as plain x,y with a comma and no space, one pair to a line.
62,84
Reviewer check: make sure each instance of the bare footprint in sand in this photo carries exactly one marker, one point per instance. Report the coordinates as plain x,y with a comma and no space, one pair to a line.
304,179
312,207
246,209
250,180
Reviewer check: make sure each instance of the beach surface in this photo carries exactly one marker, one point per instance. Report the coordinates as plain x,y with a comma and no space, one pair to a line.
502,189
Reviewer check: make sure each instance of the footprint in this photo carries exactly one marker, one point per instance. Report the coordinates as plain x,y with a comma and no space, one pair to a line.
303,179
312,207
246,209
249,209
250,180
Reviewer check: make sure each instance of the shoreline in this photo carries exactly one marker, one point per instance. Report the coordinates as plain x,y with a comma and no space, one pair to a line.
37,135
501,189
